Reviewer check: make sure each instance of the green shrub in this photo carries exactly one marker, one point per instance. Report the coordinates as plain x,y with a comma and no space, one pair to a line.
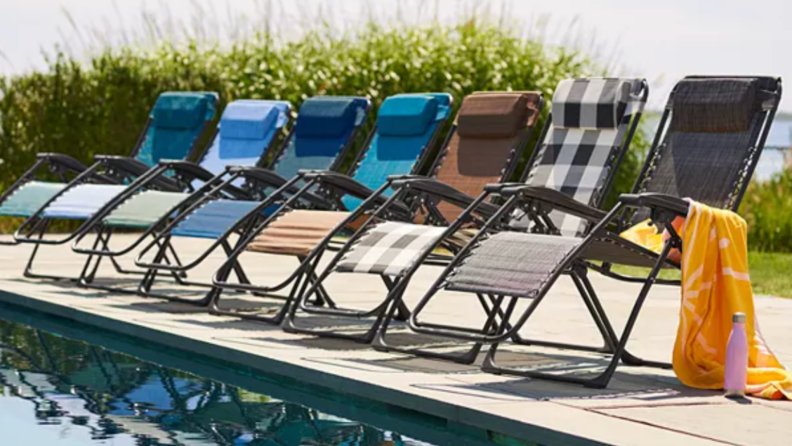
100,107
767,207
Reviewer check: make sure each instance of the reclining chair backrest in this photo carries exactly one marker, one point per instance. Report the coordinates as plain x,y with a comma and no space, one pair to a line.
407,125
247,129
490,133
175,124
324,131
717,131
585,141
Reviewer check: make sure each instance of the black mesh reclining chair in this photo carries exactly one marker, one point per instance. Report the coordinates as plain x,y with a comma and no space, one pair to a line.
708,142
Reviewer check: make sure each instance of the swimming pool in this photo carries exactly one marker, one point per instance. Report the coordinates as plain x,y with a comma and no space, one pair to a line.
88,387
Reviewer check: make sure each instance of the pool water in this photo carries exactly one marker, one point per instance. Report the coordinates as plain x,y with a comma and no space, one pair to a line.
57,391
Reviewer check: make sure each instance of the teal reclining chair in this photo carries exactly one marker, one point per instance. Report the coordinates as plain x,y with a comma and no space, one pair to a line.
325,129
174,125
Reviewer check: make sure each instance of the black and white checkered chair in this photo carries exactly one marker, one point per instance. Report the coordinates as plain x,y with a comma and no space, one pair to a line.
592,123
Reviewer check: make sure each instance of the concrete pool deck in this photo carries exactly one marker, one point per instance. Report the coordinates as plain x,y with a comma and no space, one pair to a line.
641,405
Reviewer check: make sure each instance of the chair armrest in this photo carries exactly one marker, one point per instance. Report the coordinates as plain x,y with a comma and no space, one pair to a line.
445,192
260,175
62,160
504,189
339,181
189,168
557,200
276,181
656,201
126,164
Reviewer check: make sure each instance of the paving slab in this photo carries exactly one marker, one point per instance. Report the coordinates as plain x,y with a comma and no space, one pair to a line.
642,406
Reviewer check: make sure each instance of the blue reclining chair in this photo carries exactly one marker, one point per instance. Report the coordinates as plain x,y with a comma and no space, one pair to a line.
407,127
172,128
248,129
325,129
176,123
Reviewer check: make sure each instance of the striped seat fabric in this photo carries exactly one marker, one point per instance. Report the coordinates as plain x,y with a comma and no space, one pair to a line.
590,119
247,128
406,124
324,127
490,126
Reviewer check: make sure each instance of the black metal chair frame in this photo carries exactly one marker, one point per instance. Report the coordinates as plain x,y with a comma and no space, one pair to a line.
107,169
606,227
336,186
285,190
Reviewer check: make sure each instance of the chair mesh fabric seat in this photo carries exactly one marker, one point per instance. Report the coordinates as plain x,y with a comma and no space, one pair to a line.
214,218
27,199
82,201
297,232
389,248
582,146
144,209
511,264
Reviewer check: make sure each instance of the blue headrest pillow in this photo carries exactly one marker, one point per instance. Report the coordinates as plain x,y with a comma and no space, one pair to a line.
406,115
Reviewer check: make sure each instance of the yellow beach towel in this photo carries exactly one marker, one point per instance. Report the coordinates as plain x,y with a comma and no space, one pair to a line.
715,285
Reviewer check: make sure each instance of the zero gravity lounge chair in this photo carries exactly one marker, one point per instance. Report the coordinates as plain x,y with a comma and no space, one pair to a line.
248,129
479,150
575,160
407,126
174,127
325,129
169,132
708,142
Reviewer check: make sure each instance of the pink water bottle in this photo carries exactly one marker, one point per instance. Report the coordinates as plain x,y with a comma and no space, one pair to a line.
736,358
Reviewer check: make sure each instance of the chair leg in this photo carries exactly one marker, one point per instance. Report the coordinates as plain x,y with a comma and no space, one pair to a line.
586,292
379,313
600,381
299,283
41,228
469,356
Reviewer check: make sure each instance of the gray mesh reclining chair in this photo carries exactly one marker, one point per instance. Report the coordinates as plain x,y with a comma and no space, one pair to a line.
708,142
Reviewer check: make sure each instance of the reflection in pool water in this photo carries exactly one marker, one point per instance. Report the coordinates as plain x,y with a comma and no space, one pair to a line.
58,391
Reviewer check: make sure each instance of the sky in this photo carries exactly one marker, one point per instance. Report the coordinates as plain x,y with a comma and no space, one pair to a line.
660,40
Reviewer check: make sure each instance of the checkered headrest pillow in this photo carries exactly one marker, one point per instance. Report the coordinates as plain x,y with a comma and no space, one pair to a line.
593,103
577,161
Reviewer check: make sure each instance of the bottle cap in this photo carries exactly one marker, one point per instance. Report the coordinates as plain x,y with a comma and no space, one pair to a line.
739,318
